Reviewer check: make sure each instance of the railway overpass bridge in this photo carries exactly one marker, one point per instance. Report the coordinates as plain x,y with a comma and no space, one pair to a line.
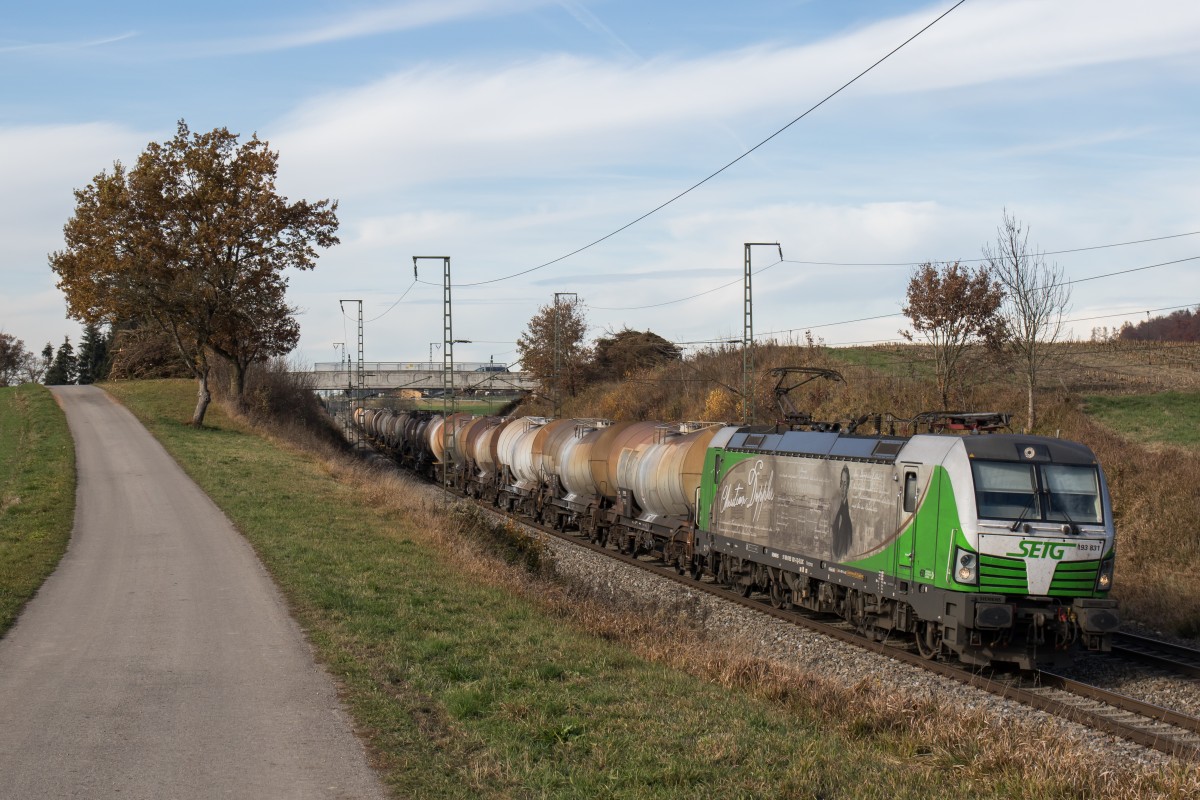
422,376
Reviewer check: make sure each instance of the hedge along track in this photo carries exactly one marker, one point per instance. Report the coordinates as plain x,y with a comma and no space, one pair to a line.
1153,727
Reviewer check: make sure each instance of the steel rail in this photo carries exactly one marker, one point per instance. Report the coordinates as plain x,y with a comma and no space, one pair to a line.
1153,726
1172,657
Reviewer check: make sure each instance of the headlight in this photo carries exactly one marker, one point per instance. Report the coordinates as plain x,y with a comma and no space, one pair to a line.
1105,578
966,566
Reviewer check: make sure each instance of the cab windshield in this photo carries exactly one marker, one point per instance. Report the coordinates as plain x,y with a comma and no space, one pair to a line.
1037,492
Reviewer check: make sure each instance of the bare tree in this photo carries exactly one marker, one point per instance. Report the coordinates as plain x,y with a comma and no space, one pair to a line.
618,353
952,307
14,359
1035,299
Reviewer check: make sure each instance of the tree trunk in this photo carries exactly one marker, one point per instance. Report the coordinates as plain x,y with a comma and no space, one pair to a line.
203,397
943,386
1031,419
239,383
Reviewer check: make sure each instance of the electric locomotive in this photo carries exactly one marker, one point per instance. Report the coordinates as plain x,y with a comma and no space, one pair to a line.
993,547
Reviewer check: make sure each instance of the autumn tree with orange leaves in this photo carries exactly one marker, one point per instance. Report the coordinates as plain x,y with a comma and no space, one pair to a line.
953,307
194,240
553,350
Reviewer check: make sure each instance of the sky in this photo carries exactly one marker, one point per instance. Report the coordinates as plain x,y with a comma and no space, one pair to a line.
523,137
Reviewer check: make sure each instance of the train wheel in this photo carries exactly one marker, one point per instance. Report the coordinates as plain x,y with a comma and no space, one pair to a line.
853,608
723,573
779,595
929,640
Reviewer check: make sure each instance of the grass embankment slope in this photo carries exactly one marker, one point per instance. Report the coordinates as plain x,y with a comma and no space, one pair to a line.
37,493
1167,418
473,676
1150,448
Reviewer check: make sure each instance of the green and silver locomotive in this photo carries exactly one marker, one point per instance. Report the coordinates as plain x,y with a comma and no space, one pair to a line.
993,547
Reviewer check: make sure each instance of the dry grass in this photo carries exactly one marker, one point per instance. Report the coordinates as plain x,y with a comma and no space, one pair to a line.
928,735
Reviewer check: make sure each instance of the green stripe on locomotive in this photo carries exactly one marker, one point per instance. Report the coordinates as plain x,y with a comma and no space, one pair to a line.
921,551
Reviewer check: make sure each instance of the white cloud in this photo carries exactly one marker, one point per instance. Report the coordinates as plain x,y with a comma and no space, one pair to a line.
349,24
507,164
40,166
65,46
994,40
562,112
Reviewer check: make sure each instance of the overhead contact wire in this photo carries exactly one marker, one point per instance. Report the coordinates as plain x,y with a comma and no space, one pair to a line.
393,305
972,260
700,183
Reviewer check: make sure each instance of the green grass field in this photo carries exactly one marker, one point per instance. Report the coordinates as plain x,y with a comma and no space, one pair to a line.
37,493
1164,418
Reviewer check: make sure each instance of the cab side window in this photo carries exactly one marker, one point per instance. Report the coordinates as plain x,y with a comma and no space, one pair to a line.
910,492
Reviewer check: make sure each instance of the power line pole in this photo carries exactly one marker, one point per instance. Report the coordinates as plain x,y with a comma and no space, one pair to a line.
748,331
340,349
448,342
359,394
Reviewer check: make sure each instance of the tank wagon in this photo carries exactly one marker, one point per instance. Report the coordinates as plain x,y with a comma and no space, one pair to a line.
992,547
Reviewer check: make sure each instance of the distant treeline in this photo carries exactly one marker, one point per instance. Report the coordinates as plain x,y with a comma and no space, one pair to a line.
1178,326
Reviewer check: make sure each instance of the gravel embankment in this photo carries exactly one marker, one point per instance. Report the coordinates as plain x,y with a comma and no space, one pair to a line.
1139,681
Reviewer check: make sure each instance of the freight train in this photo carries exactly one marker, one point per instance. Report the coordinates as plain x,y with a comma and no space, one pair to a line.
985,546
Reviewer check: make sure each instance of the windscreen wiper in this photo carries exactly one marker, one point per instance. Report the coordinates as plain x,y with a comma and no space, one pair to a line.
1028,507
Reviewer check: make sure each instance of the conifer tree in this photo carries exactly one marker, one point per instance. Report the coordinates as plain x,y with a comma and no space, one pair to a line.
93,354
63,368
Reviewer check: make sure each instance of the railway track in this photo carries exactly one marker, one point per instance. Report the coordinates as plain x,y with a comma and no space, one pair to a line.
1173,658
1151,726
1157,728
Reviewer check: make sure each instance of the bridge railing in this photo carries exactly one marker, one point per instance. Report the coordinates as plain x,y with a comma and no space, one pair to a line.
409,366
386,375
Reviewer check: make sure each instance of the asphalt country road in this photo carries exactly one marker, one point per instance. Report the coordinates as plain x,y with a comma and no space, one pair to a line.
159,661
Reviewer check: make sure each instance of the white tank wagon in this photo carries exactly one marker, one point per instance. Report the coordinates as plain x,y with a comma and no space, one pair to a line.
470,438
568,490
514,453
663,476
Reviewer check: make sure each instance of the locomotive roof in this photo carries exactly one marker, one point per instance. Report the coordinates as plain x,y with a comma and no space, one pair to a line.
1017,447
818,444
833,444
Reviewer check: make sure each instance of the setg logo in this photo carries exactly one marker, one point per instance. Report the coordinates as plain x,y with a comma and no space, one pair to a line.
1036,549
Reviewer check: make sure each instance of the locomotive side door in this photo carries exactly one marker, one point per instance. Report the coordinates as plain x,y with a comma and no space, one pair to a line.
908,497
